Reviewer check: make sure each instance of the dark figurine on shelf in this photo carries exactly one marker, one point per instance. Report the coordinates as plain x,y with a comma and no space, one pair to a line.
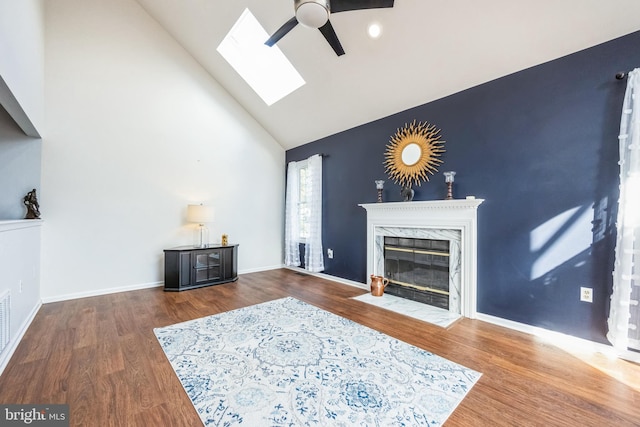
31,202
407,194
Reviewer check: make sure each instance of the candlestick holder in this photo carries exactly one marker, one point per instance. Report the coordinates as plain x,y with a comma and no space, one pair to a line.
448,178
379,187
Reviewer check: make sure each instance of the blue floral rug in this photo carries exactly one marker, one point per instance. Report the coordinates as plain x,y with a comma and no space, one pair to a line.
288,363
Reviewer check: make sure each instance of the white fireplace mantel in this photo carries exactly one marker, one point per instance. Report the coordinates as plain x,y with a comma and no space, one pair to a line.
426,217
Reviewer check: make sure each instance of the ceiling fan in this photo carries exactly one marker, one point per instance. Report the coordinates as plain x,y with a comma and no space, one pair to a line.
315,14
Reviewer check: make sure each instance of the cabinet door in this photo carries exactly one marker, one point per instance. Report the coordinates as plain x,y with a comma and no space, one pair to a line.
229,262
185,264
206,266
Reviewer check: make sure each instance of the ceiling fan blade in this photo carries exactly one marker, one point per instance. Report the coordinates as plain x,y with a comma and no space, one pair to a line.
331,36
282,31
346,5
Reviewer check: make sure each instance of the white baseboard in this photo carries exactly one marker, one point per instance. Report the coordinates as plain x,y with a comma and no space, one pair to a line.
259,269
95,293
99,292
136,287
557,338
13,345
329,277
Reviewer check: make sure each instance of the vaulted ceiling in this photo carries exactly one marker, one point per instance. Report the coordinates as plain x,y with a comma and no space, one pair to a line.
428,49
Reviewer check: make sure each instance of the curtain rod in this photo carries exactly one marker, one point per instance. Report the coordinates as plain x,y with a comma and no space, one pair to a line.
621,75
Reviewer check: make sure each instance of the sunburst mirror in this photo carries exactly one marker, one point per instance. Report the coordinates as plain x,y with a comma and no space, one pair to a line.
412,154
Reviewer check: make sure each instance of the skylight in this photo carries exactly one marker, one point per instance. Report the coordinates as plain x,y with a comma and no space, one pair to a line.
264,68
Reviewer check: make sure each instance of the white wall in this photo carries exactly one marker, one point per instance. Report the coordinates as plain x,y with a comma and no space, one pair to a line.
21,62
19,168
136,130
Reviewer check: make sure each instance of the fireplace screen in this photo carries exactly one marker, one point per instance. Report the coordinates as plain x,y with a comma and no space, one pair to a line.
418,269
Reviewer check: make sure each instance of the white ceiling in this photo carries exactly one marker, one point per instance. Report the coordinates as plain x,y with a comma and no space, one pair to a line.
429,49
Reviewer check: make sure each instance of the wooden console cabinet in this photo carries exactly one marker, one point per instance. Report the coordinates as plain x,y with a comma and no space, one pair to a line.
189,267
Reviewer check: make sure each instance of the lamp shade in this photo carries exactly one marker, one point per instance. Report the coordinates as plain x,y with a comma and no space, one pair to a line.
200,213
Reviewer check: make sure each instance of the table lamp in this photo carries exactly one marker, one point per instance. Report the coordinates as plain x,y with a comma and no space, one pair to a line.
201,215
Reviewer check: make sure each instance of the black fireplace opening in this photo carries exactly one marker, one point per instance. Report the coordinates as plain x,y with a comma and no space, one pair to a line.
418,269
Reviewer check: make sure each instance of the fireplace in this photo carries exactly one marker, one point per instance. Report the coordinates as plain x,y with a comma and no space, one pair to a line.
418,269
451,224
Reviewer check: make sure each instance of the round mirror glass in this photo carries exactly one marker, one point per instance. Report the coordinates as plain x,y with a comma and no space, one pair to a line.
411,154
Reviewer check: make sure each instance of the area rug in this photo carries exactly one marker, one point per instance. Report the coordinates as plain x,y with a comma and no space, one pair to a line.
288,363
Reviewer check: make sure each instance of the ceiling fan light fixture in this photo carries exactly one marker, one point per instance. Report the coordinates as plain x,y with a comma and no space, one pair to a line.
312,13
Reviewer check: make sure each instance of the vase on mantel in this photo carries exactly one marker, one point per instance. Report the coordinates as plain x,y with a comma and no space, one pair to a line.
407,194
448,179
379,187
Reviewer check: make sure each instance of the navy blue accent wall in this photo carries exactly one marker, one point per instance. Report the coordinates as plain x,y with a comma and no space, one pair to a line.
541,147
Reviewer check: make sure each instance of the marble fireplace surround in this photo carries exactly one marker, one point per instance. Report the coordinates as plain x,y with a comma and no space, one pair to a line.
452,220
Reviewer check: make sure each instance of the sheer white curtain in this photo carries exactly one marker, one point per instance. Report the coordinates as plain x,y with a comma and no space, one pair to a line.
624,316
309,233
313,259
292,215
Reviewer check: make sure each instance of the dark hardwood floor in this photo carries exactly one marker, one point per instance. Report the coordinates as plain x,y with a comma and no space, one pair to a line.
99,355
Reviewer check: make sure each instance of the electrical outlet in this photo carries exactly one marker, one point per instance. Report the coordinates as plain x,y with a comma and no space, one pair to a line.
586,294
330,253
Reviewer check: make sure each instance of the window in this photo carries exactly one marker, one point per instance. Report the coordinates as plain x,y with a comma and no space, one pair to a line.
304,208
264,68
303,213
